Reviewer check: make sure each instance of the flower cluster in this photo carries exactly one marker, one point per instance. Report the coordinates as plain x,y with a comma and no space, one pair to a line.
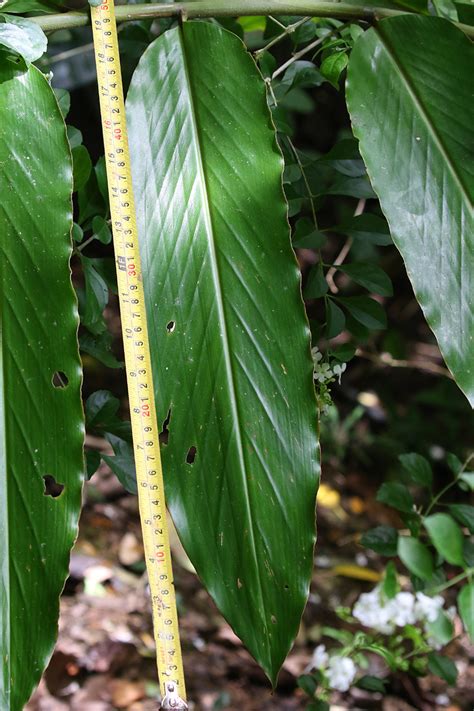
375,611
325,372
382,615
340,671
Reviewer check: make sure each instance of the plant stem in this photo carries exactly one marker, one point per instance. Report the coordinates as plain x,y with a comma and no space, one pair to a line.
287,31
228,8
457,579
447,487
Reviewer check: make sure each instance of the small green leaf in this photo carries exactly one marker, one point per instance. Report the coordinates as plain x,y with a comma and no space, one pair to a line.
418,468
301,74
317,285
333,66
306,236
101,230
99,346
335,319
344,353
123,464
63,98
467,478
454,463
74,136
366,228
370,276
96,298
101,415
466,608
77,233
371,683
308,683
396,495
82,166
359,187
382,539
92,461
464,514
90,200
468,552
442,628
446,537
416,556
443,667
318,705
23,37
345,158
390,584
365,310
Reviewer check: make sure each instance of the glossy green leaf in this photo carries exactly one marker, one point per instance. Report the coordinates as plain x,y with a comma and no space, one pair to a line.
464,514
101,412
335,319
316,285
41,424
442,629
443,667
23,37
466,607
416,556
381,539
467,478
367,228
446,537
99,347
418,468
366,311
410,99
96,298
229,338
396,495
123,463
333,66
82,166
390,585
370,276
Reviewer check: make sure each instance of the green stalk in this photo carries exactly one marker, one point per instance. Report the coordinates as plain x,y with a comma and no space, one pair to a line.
228,8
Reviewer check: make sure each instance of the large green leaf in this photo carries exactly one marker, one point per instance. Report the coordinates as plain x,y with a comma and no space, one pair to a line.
409,93
41,424
230,342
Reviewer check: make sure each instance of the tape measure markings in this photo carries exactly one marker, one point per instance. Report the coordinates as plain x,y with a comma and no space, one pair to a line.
137,358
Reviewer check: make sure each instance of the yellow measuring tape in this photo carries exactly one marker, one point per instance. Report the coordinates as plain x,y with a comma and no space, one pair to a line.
151,495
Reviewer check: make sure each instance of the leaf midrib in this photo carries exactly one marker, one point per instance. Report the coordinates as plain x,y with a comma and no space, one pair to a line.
222,320
423,112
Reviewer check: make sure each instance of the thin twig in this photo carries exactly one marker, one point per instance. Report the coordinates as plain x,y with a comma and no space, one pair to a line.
304,51
73,52
385,359
344,252
288,30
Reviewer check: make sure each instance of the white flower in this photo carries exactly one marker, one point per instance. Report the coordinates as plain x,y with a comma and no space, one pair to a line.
370,612
404,609
322,372
319,660
338,370
428,608
341,673
317,355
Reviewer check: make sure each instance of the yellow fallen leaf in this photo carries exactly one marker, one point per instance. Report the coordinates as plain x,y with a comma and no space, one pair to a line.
357,572
328,497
